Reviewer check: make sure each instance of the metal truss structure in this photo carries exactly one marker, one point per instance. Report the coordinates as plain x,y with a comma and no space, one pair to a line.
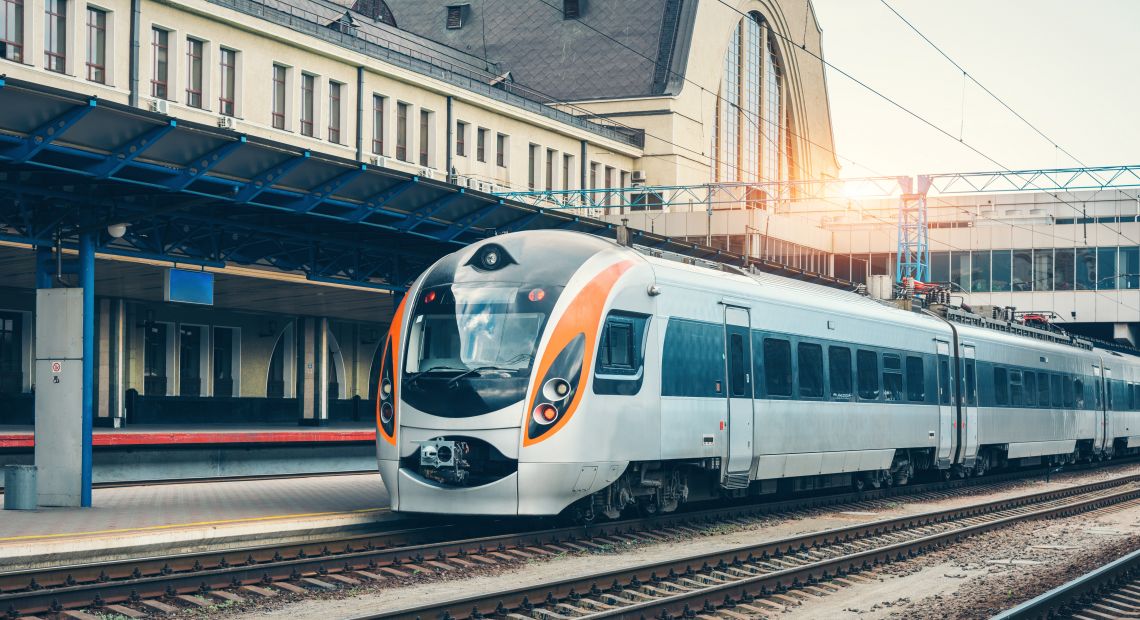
197,194
1041,180
914,235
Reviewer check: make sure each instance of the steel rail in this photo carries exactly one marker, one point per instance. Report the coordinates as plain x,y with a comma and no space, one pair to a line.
1100,589
641,592
99,583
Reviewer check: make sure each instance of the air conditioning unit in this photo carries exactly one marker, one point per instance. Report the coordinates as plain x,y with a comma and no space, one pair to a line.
226,122
161,106
638,177
427,173
376,160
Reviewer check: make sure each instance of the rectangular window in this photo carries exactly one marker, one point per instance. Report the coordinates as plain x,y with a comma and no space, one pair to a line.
154,359
1029,380
1064,269
916,379
1043,270
1043,399
1079,393
379,104
402,131
778,367
971,384
227,82
960,270
279,84
1067,391
11,352
481,145
532,165
810,358
1022,270
195,51
567,166
461,139
980,272
1085,265
334,112
1106,268
500,150
839,371
226,360
1057,398
55,35
308,103
868,371
1128,268
1000,270
620,356
96,45
892,377
738,373
1016,391
425,138
617,350
12,30
160,71
593,175
551,156
944,379
1001,386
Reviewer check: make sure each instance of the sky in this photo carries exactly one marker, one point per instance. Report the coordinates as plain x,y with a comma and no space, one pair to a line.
1071,68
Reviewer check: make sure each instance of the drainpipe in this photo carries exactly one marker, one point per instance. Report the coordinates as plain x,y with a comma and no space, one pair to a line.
359,113
450,175
133,99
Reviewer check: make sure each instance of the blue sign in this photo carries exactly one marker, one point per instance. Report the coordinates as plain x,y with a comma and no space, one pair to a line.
188,287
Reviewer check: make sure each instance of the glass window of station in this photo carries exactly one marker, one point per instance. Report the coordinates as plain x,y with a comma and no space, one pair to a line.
1017,270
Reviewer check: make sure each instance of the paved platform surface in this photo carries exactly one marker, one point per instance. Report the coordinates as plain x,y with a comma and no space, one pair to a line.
195,514
13,436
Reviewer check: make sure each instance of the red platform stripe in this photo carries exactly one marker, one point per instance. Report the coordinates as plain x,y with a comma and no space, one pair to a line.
27,440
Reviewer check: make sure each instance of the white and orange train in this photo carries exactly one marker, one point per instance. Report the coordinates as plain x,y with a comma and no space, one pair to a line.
540,371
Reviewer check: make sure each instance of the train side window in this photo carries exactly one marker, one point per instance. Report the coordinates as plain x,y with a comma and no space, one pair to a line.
1097,391
1016,390
1108,395
778,367
915,379
867,363
1001,385
1043,399
1067,386
738,374
1131,396
839,367
810,359
944,379
1029,380
1079,393
971,384
892,377
1055,383
621,355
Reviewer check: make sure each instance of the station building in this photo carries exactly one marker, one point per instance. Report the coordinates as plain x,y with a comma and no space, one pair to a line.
447,103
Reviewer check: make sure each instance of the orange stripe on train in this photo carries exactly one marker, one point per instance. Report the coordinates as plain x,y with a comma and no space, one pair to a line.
582,316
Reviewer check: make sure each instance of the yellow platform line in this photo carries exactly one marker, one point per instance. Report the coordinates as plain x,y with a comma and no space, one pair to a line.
170,526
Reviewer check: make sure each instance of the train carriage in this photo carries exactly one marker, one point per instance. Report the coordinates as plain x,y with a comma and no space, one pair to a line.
540,371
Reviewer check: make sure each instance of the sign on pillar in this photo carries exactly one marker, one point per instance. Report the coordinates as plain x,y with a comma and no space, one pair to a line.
59,396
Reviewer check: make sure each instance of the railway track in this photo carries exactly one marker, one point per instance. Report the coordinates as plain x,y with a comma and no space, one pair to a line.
1111,591
202,579
754,579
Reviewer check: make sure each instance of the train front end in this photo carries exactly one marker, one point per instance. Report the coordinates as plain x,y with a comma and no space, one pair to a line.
485,363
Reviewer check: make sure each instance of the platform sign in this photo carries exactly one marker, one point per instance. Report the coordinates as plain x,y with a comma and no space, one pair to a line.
188,287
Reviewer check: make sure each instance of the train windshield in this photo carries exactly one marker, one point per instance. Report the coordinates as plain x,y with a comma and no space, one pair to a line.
463,328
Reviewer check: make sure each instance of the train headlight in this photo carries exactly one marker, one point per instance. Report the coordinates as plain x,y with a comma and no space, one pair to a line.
545,414
556,389
387,412
386,388
490,257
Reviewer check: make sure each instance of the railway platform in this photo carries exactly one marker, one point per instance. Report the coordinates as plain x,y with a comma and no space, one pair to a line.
196,516
150,452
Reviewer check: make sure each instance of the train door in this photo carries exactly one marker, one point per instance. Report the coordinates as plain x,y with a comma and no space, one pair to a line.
738,364
1098,410
969,406
946,426
1106,414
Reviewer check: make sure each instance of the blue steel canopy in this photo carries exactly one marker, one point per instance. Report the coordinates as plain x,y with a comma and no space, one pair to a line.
195,193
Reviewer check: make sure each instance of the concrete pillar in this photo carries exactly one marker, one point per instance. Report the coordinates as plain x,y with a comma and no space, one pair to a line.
312,378
109,410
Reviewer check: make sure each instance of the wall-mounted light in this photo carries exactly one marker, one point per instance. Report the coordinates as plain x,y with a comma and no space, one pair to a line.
117,230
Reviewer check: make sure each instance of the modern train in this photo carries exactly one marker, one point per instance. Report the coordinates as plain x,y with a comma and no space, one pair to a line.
543,372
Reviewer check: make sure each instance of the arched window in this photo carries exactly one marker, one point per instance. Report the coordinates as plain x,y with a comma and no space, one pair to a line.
750,136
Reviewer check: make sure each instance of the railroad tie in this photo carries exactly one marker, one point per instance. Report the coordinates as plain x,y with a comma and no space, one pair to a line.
290,587
263,592
158,606
324,585
123,610
196,601
348,581
79,615
227,596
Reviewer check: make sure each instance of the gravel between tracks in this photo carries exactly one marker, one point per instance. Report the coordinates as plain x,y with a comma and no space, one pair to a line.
936,576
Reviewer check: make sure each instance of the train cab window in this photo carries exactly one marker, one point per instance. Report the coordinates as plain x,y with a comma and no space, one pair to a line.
892,377
867,363
777,367
1043,399
810,358
1001,386
915,379
971,384
1067,387
621,354
1079,393
1055,389
839,371
1016,390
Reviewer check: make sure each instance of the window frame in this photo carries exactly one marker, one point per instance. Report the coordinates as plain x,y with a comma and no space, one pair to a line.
12,36
802,368
909,373
55,51
280,87
832,372
195,72
868,356
227,82
336,118
1001,386
379,109
98,46
783,347
897,374
308,117
621,379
